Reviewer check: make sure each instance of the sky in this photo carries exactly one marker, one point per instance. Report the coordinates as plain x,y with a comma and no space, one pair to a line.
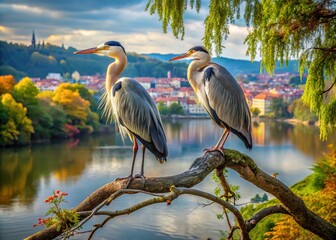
88,23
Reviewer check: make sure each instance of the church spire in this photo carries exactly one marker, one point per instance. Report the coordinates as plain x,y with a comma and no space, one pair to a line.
33,41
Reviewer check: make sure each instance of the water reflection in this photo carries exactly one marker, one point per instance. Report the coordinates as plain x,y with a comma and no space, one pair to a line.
15,175
304,138
23,168
270,133
28,175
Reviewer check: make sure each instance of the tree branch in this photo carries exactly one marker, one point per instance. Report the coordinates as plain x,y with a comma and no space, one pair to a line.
175,192
225,185
89,214
233,229
125,211
295,206
200,168
255,219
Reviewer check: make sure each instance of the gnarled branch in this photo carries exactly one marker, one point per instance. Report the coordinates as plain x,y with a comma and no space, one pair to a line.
174,193
255,219
200,168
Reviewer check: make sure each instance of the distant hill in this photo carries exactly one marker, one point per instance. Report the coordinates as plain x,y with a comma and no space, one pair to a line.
234,66
20,60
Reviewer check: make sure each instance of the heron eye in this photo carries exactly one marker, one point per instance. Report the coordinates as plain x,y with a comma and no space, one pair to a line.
191,51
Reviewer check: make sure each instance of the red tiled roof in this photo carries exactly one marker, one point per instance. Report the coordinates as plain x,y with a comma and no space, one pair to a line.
166,99
186,89
144,79
164,90
266,96
191,101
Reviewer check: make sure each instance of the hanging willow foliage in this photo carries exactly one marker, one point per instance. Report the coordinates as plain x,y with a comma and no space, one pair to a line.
171,13
280,31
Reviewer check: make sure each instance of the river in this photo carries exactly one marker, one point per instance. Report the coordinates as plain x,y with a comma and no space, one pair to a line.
30,174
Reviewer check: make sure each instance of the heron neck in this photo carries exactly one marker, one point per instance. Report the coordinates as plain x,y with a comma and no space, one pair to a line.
193,72
114,70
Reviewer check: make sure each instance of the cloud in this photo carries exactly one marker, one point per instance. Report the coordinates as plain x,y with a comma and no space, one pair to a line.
234,45
75,5
5,30
88,23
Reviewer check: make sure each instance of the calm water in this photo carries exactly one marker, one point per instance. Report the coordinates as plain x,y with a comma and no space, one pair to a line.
29,175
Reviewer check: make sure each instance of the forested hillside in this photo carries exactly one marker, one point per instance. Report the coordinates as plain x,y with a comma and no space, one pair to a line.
20,61
235,66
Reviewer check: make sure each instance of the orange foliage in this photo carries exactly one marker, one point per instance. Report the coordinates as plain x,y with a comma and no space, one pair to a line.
6,84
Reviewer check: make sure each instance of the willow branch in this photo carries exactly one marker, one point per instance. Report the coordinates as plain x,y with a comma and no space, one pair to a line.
327,90
200,168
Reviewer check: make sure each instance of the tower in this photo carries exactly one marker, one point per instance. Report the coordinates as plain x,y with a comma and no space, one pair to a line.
33,41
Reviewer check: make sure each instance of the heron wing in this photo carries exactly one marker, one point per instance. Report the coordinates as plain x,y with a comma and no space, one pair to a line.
226,99
137,112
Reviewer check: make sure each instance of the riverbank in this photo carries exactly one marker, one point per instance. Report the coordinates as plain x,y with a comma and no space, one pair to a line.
175,116
103,129
292,121
297,121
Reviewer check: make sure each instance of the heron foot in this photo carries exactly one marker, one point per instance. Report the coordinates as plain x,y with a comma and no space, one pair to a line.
140,175
130,178
213,149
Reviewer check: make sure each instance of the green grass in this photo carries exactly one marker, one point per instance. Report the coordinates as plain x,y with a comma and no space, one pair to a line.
307,186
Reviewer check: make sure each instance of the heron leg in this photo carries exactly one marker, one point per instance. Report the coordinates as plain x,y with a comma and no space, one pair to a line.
141,174
222,145
135,150
219,145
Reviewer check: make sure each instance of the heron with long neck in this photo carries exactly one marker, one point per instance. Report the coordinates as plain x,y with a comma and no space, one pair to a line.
220,95
133,109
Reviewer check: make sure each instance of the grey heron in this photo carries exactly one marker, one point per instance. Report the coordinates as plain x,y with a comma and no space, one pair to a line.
133,108
220,95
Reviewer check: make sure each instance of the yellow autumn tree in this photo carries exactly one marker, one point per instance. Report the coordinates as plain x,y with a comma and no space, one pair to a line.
46,97
25,91
17,127
76,108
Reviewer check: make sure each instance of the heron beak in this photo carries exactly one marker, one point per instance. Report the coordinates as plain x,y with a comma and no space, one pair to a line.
184,55
87,51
